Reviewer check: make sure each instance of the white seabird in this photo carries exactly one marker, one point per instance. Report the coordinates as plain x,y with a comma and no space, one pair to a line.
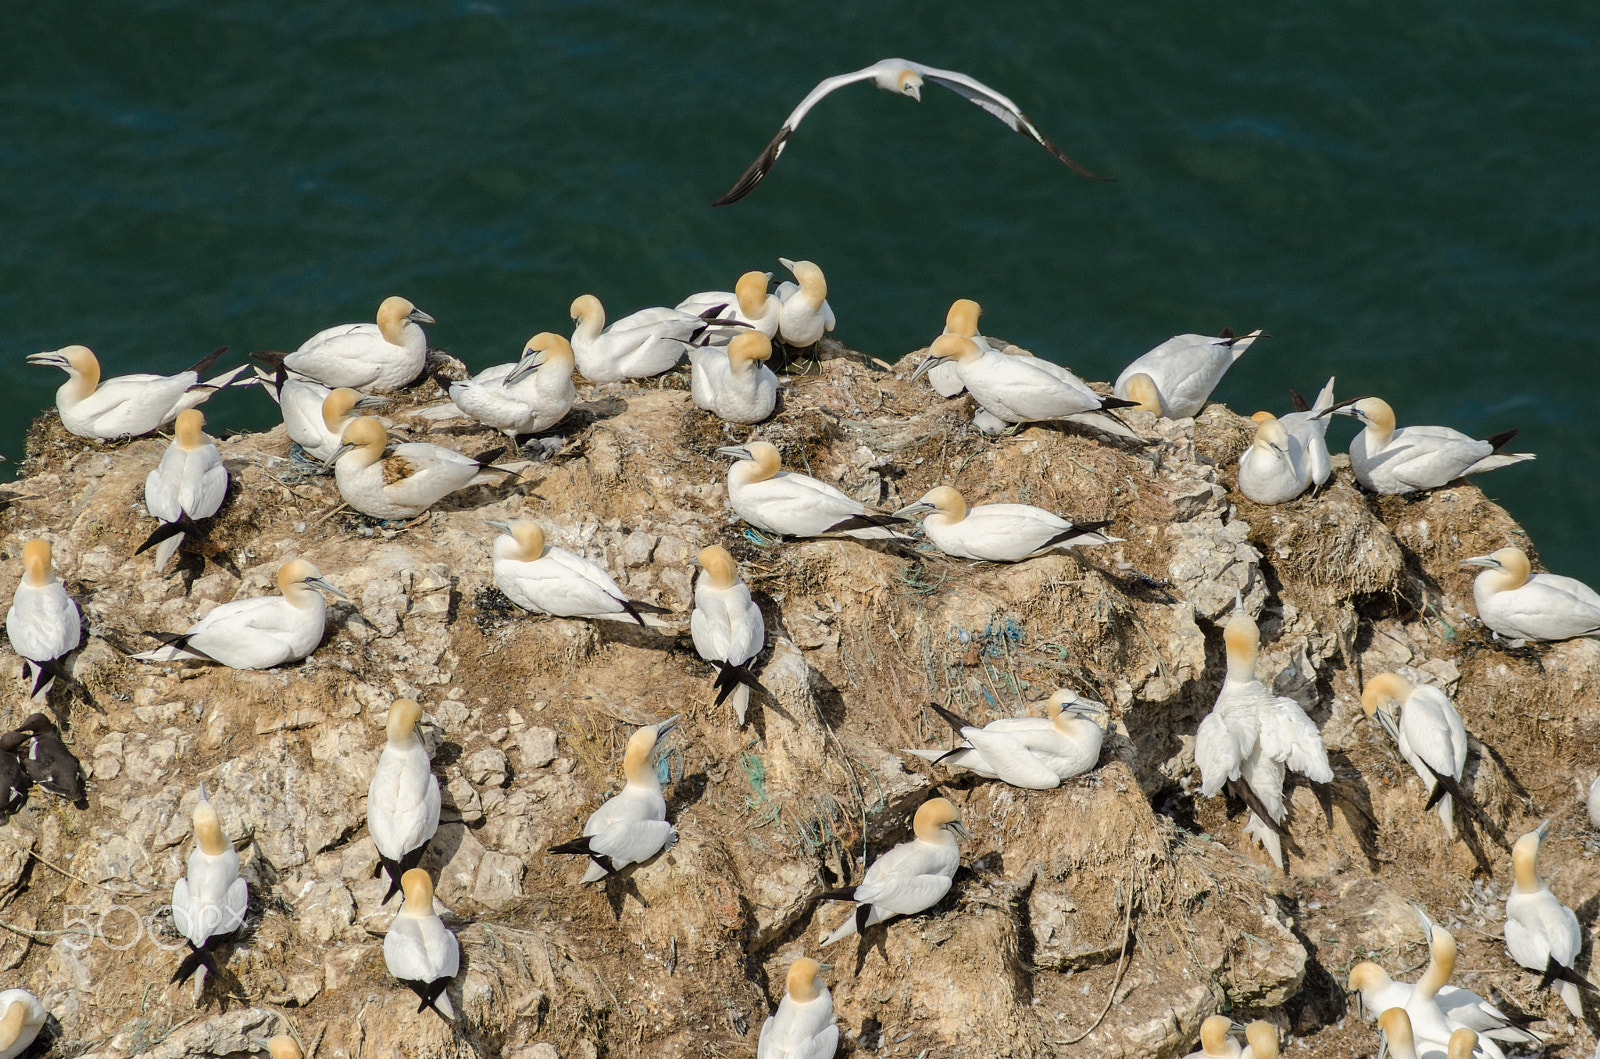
314,416
732,382
904,78
127,405
805,314
727,627
912,876
541,577
22,1017
962,319
1275,468
1521,605
1390,461
1427,728
1395,1025
531,395
410,479
419,949
632,826
748,304
257,633
373,358
796,505
403,798
1001,533
1215,1039
1309,426
1175,378
803,1026
637,346
43,624
1376,993
188,485
1261,1041
1542,934
1431,1024
211,900
1035,753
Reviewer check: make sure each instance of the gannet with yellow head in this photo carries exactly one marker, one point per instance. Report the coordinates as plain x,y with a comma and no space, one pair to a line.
805,315
727,627
186,487
803,1026
960,319
1375,993
546,579
748,304
211,900
1216,1041
1261,1041
1035,753
1001,533
1174,379
127,405
632,826
532,395
1395,1025
733,382
792,504
410,479
637,346
1542,934
1431,1023
419,949
314,415
1428,731
21,1019
371,357
1518,604
911,877
403,798
43,624
1390,461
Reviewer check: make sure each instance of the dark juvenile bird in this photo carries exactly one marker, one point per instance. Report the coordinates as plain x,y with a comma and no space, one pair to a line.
48,761
14,782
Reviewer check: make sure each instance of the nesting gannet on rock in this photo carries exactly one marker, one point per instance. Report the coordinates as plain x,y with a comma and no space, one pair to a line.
803,1026
43,624
1428,730
796,505
128,405
541,577
47,760
1175,378
1253,736
314,416
1542,934
1308,424
961,319
1002,533
1390,461
419,949
727,627
1521,605
257,633
22,1017
1275,468
632,826
637,346
805,314
904,78
531,395
1025,389
1261,1041
748,303
373,358
1431,1025
14,781
1036,753
1376,993
410,479
1215,1039
732,382
911,877
403,799
187,486
211,900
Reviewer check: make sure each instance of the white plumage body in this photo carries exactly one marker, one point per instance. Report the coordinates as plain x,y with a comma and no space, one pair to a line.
1545,607
795,505
1185,369
406,482
187,484
402,800
32,1022
746,394
360,357
910,878
629,828
1432,737
1027,752
1004,532
212,898
1421,457
422,949
800,1029
527,406
637,346
131,405
557,583
1539,928
802,320
256,633
727,626
43,623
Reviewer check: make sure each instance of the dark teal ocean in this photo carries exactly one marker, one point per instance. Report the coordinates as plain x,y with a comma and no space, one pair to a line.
1404,195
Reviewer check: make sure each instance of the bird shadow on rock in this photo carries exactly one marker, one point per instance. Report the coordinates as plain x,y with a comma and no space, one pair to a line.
632,634
686,793
1320,1000
619,887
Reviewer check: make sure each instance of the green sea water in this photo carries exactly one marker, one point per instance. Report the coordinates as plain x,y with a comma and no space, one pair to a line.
1403,195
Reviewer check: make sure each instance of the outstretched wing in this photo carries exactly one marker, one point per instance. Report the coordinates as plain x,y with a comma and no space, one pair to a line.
976,92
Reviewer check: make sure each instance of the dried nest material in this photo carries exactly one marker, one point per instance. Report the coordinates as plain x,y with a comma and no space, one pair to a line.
1331,540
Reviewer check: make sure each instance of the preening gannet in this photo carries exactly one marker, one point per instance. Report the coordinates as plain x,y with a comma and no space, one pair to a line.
1261,1041
727,627
637,346
187,486
796,505
1175,378
22,1017
1002,533
912,876
43,624
541,577
1386,460
211,900
315,416
419,949
733,382
803,1026
257,633
1253,736
531,395
905,78
1522,605
1376,993
1215,1039
47,760
1427,728
1032,752
373,358
804,315
632,826
403,799
748,303
127,405
410,479
1542,934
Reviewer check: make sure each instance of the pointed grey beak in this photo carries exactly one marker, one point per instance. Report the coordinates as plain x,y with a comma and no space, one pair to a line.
959,828
668,725
503,527
51,359
1388,724
1482,560
926,366
736,451
318,582
914,509
531,359
1422,917
203,797
420,317
1542,830
824,967
371,401
327,464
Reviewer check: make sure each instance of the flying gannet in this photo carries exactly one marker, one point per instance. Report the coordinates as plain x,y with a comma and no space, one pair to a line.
748,304
733,382
186,487
419,949
911,877
373,358
1521,605
637,346
314,416
805,314
1542,934
727,627
1174,379
796,505
1428,731
43,624
541,577
1002,533
47,760
1390,461
260,632
403,798
1036,753
632,826
21,1019
803,1026
1215,1039
905,78
532,395
410,479
127,405
211,900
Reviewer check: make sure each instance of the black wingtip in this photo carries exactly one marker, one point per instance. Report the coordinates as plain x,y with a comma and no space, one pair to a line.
950,717
1107,403
758,169
1298,400
163,532
1502,439
204,364
730,676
